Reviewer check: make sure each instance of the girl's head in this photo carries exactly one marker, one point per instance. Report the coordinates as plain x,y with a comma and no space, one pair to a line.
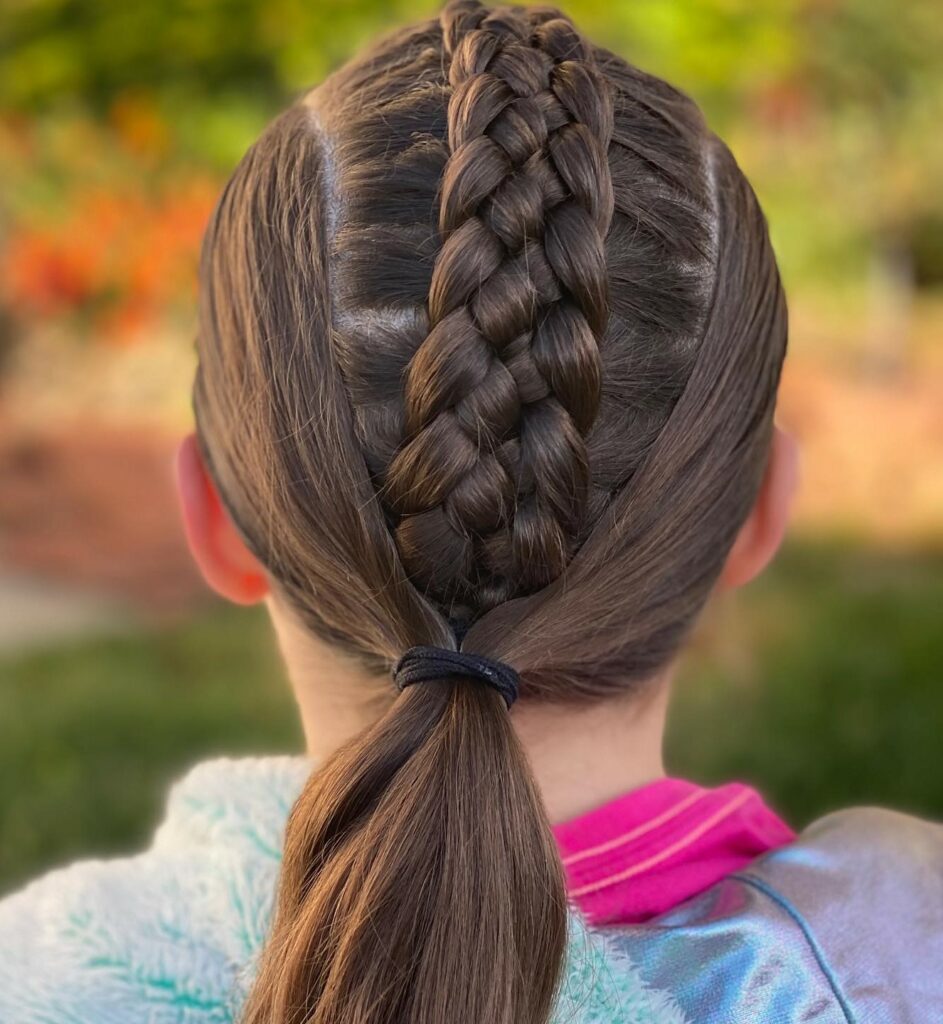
490,339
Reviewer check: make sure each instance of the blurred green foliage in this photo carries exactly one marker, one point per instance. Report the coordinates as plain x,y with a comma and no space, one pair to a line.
832,106
821,686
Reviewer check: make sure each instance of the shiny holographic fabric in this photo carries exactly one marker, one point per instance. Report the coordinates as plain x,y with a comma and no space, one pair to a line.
844,926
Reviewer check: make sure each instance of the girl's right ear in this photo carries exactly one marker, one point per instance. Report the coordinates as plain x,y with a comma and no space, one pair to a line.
762,533
227,565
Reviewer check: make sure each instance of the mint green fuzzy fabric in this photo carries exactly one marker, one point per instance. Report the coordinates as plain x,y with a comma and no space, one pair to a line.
170,936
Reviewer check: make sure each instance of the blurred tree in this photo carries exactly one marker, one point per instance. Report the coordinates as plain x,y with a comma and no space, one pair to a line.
843,98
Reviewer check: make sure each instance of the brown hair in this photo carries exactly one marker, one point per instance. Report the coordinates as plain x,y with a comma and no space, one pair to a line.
491,335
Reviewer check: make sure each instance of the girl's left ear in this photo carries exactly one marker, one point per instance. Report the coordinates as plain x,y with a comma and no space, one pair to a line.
762,533
227,565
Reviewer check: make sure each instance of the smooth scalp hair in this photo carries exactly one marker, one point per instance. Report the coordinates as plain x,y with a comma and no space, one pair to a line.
491,335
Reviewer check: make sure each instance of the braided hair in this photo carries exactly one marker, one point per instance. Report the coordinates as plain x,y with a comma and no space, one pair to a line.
490,485
491,332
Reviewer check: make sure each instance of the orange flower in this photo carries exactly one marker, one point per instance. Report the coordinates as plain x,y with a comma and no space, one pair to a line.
122,256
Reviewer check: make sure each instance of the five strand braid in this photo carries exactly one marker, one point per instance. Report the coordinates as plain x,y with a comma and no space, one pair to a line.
503,389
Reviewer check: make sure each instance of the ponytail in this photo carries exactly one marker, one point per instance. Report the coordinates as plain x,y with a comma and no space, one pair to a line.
420,882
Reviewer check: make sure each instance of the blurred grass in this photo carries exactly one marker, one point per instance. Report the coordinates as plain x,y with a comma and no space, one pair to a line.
819,683
92,732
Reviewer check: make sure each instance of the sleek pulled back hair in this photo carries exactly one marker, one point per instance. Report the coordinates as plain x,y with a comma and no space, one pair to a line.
491,332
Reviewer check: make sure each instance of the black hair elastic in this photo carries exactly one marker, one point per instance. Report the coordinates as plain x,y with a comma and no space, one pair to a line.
427,664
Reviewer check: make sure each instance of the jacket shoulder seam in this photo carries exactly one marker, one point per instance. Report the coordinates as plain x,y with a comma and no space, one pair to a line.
784,904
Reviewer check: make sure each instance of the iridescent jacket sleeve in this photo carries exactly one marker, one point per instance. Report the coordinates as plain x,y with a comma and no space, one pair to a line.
844,926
